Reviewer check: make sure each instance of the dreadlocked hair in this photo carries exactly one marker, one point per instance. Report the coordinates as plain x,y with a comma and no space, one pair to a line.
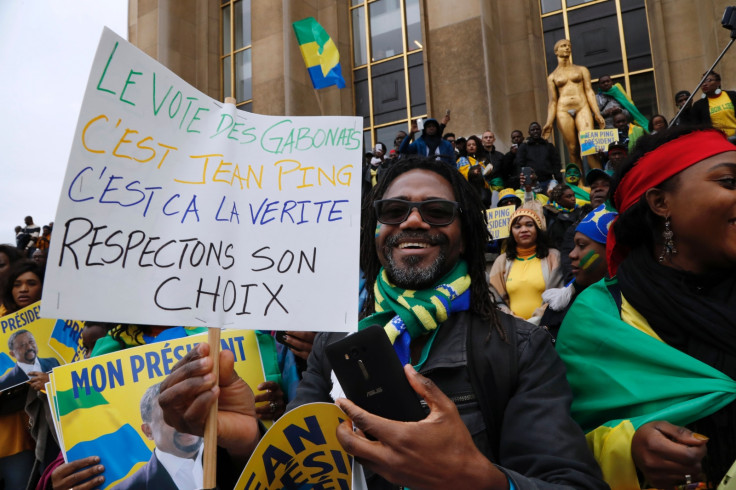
472,224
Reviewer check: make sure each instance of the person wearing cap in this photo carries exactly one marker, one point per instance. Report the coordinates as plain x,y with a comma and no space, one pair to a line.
507,197
527,268
430,143
617,153
650,353
600,186
588,259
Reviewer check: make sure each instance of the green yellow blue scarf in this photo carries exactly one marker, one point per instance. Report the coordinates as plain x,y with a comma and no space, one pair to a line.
407,314
560,207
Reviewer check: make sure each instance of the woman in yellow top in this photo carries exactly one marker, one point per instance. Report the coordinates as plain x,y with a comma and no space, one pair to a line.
716,108
528,268
472,155
16,443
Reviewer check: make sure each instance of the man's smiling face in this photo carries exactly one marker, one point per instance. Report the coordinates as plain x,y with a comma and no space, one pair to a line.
415,254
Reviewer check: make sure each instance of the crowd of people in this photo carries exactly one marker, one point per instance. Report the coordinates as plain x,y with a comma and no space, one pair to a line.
32,241
592,348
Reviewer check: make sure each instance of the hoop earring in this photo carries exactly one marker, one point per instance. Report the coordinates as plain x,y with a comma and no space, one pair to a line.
669,245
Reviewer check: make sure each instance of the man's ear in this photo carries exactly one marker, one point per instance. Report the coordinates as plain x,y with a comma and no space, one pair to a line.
146,428
658,202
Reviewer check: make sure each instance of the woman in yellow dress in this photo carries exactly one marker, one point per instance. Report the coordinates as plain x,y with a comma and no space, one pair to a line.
527,268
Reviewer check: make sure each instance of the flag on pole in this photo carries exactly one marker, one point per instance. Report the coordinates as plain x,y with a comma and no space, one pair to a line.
320,54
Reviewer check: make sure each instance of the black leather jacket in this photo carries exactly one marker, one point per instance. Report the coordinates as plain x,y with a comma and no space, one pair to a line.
540,446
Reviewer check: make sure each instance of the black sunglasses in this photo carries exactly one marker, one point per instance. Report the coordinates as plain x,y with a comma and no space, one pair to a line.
434,212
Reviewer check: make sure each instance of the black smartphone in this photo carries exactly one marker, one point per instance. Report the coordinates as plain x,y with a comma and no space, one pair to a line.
527,171
372,376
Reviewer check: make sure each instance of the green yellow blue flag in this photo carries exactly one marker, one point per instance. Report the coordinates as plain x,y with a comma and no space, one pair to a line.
622,377
618,93
66,339
320,54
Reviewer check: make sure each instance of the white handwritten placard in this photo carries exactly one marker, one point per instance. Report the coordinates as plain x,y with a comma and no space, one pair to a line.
177,209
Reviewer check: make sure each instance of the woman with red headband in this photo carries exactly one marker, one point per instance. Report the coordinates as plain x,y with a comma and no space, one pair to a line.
651,353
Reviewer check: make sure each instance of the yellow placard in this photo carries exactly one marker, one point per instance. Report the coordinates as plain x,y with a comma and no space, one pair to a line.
50,337
498,221
595,140
300,451
99,402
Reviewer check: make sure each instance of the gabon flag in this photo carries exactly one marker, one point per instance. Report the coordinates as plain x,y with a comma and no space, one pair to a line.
320,54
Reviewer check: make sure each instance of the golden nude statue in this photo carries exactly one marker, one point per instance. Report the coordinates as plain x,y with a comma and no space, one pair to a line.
571,101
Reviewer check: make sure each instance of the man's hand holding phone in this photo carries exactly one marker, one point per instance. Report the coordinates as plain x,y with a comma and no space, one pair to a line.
441,442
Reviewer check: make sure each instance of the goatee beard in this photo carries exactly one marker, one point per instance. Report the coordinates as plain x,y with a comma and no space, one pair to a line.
405,274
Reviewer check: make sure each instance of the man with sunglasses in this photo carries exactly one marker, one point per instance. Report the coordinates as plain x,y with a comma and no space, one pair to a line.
497,398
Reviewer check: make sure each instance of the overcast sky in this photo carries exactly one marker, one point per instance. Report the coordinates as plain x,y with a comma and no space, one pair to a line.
46,51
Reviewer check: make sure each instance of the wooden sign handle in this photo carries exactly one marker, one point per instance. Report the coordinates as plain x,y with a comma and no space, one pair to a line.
209,454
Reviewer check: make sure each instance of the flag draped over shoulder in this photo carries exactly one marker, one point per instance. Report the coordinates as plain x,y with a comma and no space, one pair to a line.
320,54
623,378
580,194
618,93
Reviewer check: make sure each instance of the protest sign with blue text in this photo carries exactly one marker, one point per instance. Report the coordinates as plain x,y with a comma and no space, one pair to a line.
177,209
102,405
